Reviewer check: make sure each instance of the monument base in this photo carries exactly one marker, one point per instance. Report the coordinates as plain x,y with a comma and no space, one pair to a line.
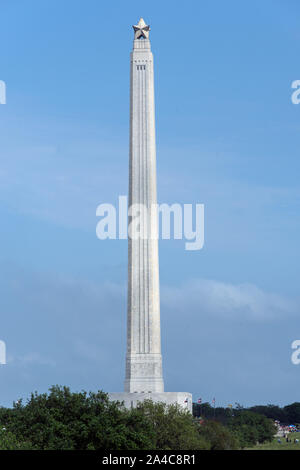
131,399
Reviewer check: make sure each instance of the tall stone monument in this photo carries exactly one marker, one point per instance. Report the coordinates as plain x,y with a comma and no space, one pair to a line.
144,377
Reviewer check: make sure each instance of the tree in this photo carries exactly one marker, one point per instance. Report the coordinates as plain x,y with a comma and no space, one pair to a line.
251,427
64,420
271,411
174,428
293,413
218,436
204,409
9,441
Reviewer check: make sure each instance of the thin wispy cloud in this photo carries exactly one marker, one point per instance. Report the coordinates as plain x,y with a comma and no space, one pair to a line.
202,298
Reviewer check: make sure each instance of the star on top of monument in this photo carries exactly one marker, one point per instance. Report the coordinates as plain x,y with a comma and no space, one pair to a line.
141,30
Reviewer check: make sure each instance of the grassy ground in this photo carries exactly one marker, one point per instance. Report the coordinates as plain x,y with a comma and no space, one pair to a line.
274,445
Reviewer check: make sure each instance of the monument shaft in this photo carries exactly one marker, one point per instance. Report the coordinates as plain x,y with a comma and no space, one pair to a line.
144,378
143,358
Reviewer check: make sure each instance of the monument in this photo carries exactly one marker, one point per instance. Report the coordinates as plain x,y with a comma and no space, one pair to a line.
144,376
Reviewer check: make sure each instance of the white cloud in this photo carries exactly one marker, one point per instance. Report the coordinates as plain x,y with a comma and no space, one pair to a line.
215,298
36,358
61,178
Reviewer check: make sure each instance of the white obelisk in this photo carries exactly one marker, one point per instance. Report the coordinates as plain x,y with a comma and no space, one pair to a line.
143,359
144,379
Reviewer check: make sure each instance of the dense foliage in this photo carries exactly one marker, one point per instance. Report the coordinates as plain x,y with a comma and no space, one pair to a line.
64,420
251,428
218,436
289,414
174,427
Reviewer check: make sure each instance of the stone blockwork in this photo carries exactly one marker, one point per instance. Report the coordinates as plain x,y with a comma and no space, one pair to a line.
143,358
131,399
144,375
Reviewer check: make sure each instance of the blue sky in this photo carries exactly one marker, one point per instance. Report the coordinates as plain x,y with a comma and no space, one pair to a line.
227,136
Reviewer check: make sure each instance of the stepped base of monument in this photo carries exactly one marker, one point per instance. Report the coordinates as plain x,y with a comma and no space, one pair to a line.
131,400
